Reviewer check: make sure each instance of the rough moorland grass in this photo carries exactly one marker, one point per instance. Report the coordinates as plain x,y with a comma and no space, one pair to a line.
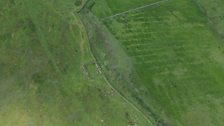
114,63
47,75
214,12
178,58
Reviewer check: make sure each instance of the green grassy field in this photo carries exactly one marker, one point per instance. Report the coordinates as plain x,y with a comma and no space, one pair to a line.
111,7
214,13
177,54
111,63
48,76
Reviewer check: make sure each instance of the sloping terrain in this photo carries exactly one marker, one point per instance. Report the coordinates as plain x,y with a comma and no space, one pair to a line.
176,57
111,63
214,11
48,76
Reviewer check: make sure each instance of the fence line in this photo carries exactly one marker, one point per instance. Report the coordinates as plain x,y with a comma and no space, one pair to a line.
138,8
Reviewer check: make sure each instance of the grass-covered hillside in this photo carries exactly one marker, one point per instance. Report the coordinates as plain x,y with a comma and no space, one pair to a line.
48,76
214,11
111,63
177,56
